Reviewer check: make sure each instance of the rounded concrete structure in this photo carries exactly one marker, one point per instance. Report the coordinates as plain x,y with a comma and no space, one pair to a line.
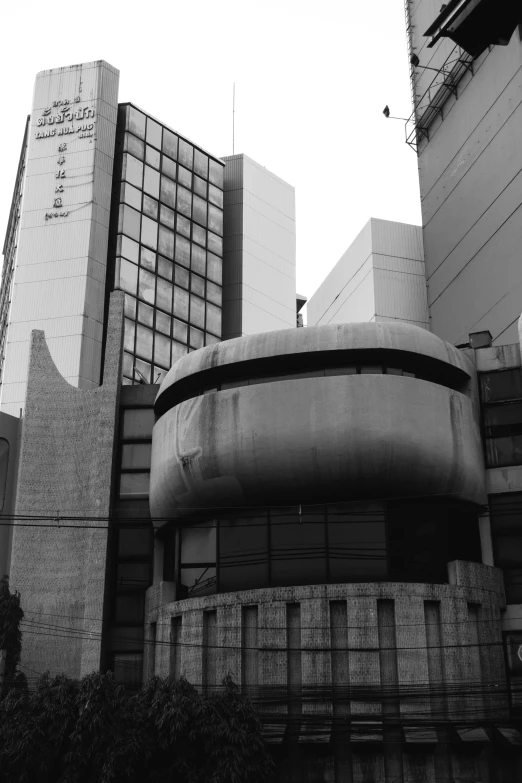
315,439
320,435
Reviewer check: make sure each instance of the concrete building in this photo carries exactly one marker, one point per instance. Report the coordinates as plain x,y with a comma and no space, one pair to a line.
381,277
330,514
466,130
259,250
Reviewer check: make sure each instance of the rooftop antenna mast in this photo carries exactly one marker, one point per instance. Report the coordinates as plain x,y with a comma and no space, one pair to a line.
233,117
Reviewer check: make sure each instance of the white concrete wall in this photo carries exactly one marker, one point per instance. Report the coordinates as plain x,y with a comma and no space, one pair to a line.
470,174
379,278
259,255
59,281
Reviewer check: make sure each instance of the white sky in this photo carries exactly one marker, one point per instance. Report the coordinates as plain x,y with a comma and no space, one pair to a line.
311,82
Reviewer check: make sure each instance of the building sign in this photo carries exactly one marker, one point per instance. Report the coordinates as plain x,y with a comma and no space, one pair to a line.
64,118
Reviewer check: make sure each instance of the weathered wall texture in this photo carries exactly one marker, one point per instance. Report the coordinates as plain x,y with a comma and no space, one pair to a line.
470,173
59,279
358,658
66,462
9,431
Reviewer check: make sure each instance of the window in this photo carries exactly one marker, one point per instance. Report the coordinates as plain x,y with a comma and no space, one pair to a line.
4,464
506,532
501,395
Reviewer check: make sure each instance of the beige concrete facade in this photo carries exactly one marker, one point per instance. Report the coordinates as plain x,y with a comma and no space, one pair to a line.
259,250
66,463
331,435
59,279
470,170
381,277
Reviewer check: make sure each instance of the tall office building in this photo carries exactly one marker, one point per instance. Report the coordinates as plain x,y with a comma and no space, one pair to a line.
259,250
381,277
466,78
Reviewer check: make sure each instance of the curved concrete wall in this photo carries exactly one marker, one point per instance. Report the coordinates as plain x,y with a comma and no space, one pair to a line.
316,440
343,337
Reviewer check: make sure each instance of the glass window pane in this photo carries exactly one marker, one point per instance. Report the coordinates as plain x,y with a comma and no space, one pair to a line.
197,285
200,580
198,543
199,260
215,219
166,242
393,371
344,370
178,350
199,235
137,423
151,181
197,338
181,303
504,451
163,322
243,553
162,351
181,276
153,133
128,276
145,314
201,163
128,668
211,339
213,319
182,251
298,547
215,244
183,226
503,419
142,370
184,177
130,306
165,267
134,542
136,455
128,340
200,210
356,542
164,295
148,259
144,342
185,153
132,170
214,294
197,311
152,157
168,191
132,576
128,248
146,288
134,145
214,268
130,195
167,216
149,232
215,196
128,365
200,187
169,167
183,201
150,207
215,173
371,369
159,374
170,143
136,122
180,331
129,222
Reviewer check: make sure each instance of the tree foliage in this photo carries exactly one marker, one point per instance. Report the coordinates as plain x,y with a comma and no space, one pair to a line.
93,731
11,615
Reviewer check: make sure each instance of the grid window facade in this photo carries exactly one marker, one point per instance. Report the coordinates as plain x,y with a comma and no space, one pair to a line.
501,397
167,245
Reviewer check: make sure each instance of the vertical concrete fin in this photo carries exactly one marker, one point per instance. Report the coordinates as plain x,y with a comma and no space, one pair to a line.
209,649
249,650
475,663
294,670
176,630
390,690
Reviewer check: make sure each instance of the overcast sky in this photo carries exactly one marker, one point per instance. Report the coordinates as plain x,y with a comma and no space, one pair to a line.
311,80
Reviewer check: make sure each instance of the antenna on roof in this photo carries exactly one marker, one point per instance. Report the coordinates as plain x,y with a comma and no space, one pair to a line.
233,117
